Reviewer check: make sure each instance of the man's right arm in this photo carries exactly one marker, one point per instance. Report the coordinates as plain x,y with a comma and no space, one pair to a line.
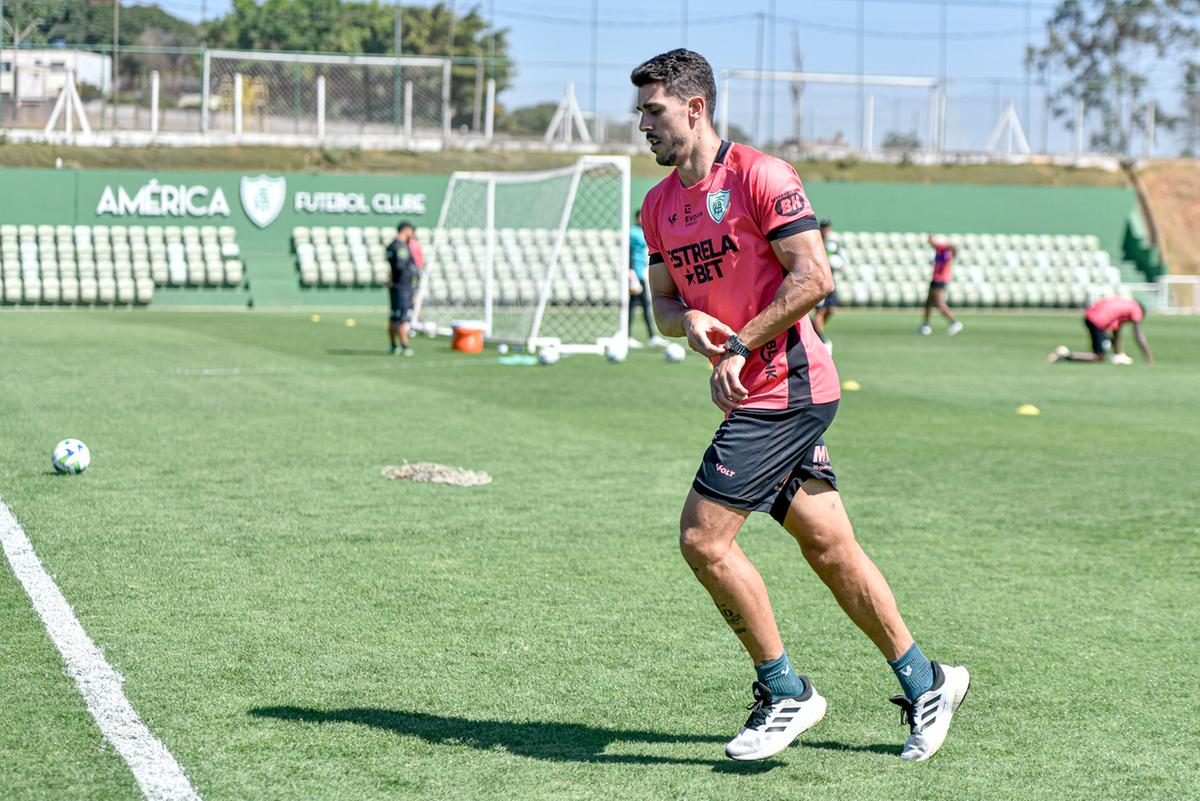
669,310
674,319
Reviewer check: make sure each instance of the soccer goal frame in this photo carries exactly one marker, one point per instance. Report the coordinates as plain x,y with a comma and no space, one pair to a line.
607,319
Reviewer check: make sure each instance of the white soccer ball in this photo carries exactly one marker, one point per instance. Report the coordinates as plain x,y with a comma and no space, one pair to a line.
674,353
615,353
71,456
548,355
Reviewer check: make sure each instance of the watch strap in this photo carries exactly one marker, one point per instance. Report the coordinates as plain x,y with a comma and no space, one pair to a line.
735,345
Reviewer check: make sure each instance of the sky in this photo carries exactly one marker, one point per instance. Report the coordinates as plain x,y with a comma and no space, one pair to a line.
554,41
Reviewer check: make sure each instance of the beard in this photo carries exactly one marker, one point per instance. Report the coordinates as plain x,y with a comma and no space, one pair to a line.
666,156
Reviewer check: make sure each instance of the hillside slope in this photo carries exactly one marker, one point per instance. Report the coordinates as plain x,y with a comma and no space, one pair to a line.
1173,191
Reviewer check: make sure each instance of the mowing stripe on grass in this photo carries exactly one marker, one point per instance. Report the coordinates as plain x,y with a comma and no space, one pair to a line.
156,771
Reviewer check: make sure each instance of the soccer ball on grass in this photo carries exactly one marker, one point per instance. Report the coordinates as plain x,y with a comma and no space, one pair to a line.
71,456
548,355
674,353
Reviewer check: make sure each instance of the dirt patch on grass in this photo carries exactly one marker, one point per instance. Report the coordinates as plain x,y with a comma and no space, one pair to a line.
432,473
1173,191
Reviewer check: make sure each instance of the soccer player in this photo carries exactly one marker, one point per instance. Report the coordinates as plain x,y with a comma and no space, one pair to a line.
827,305
406,260
943,257
1104,319
736,265
639,298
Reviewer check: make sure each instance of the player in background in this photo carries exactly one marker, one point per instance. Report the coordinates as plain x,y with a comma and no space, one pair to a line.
828,305
639,297
1103,320
943,258
736,265
406,260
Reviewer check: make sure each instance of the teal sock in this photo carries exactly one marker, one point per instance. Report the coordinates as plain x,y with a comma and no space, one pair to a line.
914,672
780,678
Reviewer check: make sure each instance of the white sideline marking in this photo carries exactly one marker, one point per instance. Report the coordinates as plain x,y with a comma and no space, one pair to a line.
156,771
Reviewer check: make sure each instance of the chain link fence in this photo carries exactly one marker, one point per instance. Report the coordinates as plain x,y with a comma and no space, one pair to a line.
381,101
355,95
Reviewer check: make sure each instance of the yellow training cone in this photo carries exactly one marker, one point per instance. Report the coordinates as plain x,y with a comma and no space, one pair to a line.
316,318
350,323
1028,410
850,385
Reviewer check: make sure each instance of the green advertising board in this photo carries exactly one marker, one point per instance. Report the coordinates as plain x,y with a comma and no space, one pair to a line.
264,209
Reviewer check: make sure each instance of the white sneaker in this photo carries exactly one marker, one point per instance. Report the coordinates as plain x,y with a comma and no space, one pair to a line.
633,343
774,724
657,342
929,716
925,330
955,327
1121,358
1060,354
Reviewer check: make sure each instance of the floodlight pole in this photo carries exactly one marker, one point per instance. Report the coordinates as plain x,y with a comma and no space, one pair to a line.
116,75
2,59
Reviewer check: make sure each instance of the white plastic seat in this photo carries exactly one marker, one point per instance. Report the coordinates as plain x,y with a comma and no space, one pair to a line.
143,291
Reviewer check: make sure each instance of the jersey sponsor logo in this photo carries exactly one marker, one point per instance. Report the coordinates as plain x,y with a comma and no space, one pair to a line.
789,204
690,217
821,455
768,352
674,218
702,260
718,204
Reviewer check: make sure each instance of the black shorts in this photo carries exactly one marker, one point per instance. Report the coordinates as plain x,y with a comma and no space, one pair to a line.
938,284
1100,339
829,301
759,458
402,304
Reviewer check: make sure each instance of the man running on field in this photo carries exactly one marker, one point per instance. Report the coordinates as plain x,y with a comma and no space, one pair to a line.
736,265
943,258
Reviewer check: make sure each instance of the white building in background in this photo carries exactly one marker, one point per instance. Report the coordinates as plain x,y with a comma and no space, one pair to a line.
43,72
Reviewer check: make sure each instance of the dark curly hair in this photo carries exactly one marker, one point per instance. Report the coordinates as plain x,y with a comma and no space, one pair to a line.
683,73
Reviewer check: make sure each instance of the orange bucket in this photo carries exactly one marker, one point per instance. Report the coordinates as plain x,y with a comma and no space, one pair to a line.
468,336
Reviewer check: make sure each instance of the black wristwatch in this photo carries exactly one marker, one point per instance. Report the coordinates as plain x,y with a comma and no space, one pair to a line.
735,346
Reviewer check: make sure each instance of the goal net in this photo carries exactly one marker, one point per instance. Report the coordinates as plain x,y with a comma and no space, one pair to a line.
537,257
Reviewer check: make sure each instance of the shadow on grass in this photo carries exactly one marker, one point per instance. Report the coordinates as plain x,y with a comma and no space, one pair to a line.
555,742
873,748
357,352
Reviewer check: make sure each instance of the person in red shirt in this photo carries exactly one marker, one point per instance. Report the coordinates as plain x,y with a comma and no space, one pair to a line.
1103,320
736,265
943,259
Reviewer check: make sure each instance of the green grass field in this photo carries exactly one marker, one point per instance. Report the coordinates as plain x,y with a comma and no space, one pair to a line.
293,626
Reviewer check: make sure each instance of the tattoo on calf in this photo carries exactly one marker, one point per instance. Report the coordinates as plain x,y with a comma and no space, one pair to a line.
733,619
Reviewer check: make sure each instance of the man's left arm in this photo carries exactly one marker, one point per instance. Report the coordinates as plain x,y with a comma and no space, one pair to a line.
1143,343
807,280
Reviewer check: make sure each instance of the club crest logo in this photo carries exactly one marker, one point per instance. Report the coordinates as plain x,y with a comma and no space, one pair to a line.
718,204
262,198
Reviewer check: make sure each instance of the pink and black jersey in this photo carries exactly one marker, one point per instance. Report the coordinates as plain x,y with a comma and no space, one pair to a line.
943,258
715,239
1108,314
